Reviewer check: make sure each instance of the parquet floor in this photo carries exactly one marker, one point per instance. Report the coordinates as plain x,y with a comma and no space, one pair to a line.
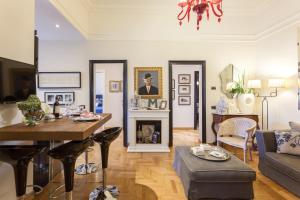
149,176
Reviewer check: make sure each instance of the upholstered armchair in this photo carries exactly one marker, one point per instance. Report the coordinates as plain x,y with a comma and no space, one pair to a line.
237,132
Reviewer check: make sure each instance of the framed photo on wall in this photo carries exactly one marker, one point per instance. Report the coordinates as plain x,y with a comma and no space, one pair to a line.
184,100
148,82
184,89
184,79
115,86
48,80
65,97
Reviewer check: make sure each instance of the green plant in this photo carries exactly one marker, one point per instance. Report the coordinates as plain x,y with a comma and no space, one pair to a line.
238,87
31,109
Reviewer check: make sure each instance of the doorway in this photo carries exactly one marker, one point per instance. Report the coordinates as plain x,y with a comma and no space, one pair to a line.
108,91
187,97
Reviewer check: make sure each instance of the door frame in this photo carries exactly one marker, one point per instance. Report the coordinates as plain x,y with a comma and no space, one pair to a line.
203,70
196,100
125,91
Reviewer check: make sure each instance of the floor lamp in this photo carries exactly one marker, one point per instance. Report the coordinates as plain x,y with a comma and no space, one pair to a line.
273,84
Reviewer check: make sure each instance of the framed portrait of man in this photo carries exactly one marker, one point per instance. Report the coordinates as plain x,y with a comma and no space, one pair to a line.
148,82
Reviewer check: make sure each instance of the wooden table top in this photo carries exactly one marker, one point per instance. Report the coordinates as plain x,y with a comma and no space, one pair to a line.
61,129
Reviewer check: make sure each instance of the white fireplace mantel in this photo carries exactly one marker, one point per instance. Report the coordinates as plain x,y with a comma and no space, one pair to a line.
163,116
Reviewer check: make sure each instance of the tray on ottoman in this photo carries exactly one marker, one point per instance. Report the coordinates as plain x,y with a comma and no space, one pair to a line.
202,179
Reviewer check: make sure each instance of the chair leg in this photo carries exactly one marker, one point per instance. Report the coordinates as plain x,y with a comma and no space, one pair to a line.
245,155
250,151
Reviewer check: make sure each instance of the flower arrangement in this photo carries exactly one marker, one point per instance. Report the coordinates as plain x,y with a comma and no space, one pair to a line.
32,110
238,87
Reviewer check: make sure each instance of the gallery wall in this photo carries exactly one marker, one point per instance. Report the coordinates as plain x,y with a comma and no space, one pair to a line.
75,56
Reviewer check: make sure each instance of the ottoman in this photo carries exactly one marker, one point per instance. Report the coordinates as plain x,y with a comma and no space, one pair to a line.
204,179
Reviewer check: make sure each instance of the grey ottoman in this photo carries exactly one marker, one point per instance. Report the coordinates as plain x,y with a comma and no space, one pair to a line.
203,179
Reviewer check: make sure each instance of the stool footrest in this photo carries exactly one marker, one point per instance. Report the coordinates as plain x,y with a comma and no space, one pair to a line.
110,192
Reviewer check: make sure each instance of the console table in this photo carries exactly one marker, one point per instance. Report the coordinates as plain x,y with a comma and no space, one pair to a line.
219,118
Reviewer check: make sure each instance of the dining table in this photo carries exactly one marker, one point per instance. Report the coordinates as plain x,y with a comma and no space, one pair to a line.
51,134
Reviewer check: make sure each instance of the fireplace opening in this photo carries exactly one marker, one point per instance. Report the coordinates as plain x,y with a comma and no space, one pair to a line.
148,132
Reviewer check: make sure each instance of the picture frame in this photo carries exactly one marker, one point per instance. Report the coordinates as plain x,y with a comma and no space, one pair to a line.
184,100
173,84
151,76
115,86
163,104
184,89
173,94
184,79
66,97
51,80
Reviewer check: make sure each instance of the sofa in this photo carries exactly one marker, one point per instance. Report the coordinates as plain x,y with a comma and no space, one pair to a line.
281,168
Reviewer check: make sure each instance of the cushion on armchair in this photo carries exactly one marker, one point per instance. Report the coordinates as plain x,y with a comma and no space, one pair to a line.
288,142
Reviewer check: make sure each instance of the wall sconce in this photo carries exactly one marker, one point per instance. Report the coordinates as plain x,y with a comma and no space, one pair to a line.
272,84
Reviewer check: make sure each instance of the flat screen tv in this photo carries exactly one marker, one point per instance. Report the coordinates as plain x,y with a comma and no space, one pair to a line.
17,81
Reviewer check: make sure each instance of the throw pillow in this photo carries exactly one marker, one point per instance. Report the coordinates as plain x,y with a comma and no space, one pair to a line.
288,142
295,126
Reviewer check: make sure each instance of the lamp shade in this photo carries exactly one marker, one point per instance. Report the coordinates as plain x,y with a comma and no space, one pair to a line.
276,83
254,84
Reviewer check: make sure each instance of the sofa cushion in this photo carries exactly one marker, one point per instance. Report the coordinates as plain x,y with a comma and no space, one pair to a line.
288,142
295,126
285,163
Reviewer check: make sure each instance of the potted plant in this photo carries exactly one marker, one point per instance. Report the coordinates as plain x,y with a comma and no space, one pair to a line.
245,97
32,110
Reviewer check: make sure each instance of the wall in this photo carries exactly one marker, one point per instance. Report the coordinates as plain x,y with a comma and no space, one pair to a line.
187,110
277,56
74,56
17,43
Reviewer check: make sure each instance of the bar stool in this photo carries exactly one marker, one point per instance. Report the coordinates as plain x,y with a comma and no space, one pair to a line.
19,156
105,138
68,154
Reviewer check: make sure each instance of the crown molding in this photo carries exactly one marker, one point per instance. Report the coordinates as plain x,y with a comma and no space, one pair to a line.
57,4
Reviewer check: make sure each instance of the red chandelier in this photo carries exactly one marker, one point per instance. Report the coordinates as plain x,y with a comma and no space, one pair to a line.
199,7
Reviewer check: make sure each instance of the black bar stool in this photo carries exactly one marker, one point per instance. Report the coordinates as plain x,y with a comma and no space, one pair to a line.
105,138
19,156
68,154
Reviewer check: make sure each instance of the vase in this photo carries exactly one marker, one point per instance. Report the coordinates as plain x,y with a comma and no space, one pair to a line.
246,103
32,118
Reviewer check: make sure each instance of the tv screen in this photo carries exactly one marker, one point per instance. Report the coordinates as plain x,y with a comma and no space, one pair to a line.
17,80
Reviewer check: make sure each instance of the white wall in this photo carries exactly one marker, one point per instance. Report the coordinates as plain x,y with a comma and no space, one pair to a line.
184,110
277,56
113,102
74,56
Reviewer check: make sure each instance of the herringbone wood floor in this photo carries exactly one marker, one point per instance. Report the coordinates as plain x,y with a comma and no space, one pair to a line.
149,176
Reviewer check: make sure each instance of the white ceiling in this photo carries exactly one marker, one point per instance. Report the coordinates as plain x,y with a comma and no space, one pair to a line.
46,17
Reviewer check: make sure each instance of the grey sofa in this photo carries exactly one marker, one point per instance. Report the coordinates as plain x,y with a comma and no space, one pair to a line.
282,168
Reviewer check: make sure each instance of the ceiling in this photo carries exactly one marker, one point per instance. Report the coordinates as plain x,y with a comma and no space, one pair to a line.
46,18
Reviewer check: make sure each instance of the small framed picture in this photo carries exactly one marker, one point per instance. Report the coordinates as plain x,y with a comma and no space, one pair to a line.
184,79
163,105
49,80
173,94
173,84
64,97
115,86
184,89
184,100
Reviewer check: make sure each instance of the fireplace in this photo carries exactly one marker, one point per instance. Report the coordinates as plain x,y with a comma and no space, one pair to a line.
148,132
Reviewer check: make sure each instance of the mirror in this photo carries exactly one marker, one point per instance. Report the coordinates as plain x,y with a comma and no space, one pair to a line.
228,75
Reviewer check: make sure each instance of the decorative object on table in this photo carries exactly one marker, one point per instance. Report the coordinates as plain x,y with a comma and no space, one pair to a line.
237,132
48,80
222,106
135,102
232,107
48,112
148,82
288,142
228,75
152,103
163,104
184,89
64,97
272,84
173,84
31,110
199,7
184,100
213,154
184,79
56,107
173,94
245,96
115,86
